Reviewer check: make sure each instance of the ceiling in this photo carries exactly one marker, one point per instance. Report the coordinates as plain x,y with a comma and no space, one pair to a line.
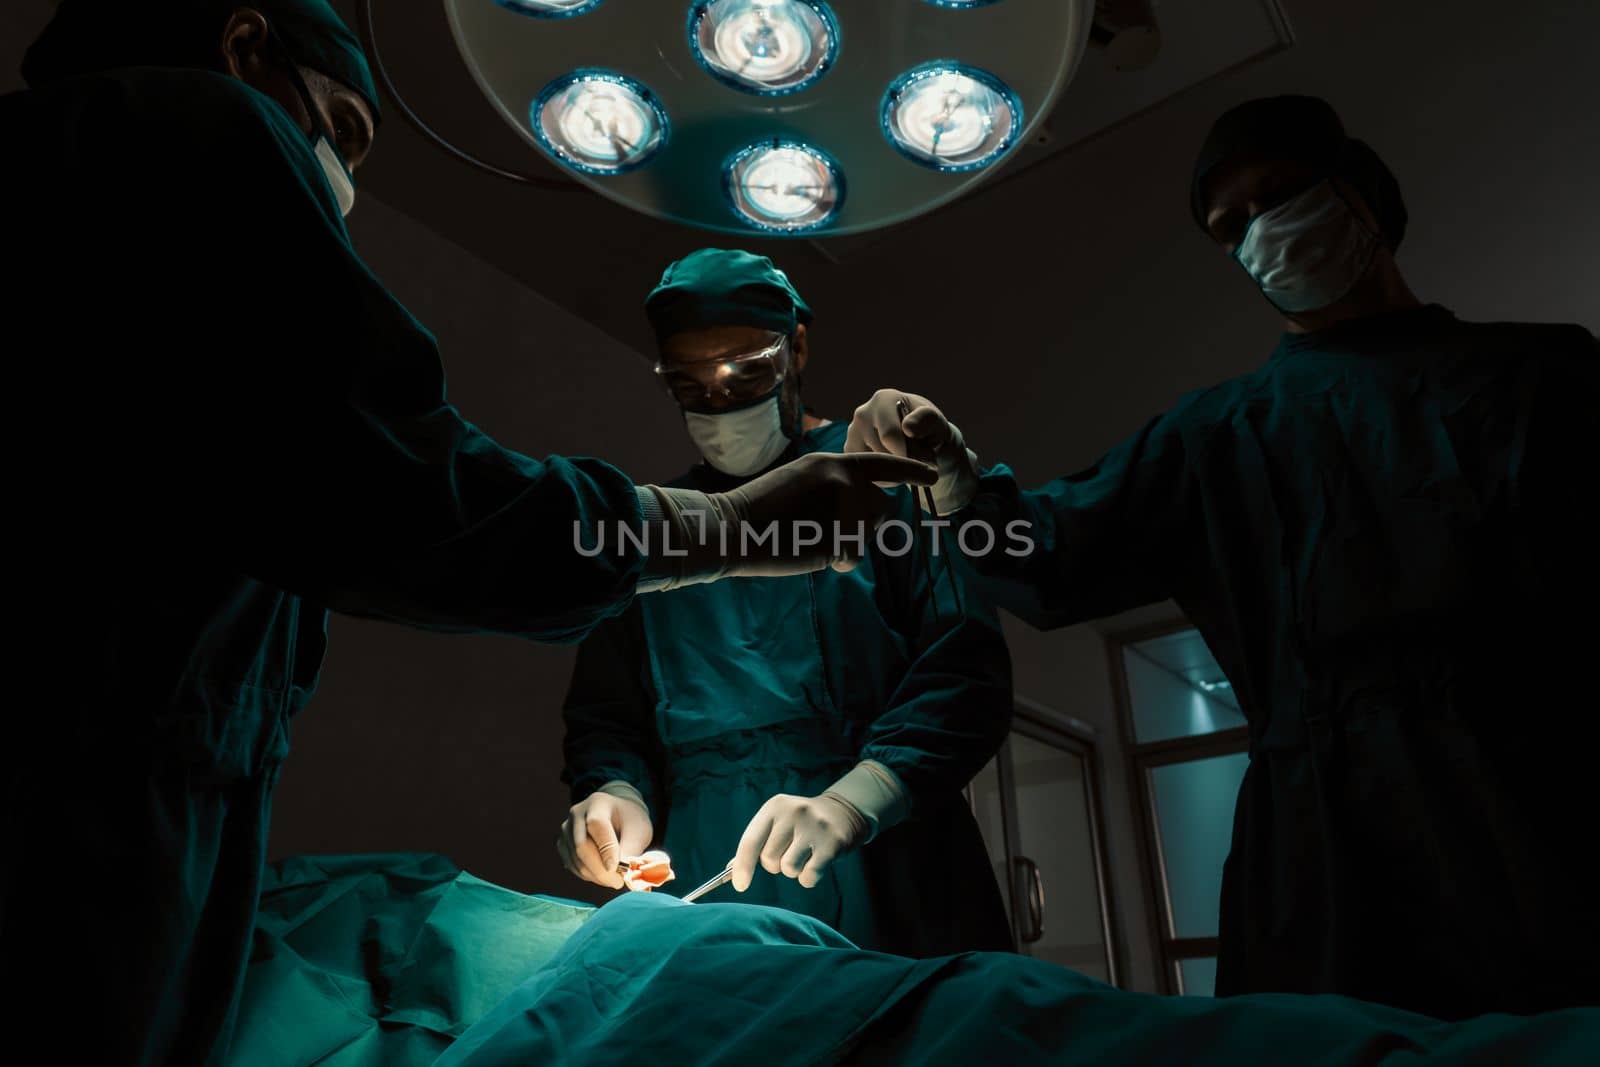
1186,655
595,259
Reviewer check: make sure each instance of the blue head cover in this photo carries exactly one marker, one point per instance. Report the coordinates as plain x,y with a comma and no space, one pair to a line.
1307,130
724,287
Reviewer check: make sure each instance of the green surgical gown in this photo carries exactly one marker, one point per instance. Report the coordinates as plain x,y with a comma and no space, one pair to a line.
1385,535
714,698
225,427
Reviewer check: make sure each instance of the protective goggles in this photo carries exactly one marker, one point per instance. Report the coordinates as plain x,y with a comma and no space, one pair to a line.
717,384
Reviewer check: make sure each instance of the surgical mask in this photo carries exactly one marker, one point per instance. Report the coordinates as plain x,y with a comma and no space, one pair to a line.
742,441
1309,251
338,175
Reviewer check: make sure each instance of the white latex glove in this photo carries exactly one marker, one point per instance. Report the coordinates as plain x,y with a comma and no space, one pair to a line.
798,837
923,434
602,828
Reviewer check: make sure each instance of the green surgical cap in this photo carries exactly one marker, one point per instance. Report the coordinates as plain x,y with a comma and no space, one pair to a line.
724,287
86,36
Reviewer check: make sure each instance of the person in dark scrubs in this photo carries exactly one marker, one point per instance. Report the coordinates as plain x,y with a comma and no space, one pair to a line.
1382,536
818,729
223,427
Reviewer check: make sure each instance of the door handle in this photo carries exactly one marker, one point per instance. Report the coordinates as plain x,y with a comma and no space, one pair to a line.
1032,883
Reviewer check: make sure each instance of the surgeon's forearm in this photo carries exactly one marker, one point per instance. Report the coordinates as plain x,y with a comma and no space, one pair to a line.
875,792
1077,548
682,536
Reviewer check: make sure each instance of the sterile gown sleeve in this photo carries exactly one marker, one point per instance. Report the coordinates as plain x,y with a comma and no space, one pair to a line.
609,714
319,449
951,710
1107,539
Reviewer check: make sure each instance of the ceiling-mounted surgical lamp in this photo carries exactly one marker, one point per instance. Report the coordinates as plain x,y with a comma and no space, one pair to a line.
782,117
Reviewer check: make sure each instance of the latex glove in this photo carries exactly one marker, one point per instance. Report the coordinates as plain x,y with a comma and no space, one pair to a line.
798,837
808,500
602,828
923,434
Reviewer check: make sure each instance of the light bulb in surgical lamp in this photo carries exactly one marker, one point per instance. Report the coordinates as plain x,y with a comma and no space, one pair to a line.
951,117
961,3
784,186
599,122
549,9
769,47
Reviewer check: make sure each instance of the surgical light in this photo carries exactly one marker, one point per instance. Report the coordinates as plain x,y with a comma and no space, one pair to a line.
951,117
549,9
783,187
599,122
802,118
771,47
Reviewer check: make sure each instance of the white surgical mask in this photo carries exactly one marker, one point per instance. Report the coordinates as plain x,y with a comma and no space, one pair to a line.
344,186
1309,251
742,441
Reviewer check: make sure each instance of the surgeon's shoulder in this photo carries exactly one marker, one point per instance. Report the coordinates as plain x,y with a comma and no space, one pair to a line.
1547,339
1200,413
178,114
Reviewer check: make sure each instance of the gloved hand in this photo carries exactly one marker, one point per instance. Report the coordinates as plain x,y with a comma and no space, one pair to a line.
807,503
798,837
923,434
602,828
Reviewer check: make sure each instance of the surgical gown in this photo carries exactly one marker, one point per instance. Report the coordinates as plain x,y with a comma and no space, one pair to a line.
713,698
1385,535
224,426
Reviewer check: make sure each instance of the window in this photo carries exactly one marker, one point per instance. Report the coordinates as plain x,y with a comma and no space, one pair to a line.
1037,806
1187,745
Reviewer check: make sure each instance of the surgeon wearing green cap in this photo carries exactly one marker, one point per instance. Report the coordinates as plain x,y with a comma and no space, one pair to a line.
230,427
815,730
1381,534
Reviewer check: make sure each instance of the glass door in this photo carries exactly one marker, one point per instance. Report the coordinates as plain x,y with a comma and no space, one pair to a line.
1037,806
